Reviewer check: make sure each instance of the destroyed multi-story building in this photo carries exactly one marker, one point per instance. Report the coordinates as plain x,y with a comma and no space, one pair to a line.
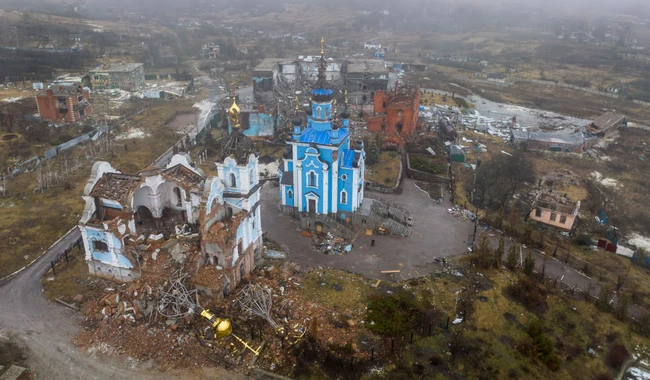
210,51
275,80
64,102
323,170
396,112
123,76
363,77
124,213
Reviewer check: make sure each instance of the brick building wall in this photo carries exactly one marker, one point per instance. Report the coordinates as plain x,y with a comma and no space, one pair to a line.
56,106
395,114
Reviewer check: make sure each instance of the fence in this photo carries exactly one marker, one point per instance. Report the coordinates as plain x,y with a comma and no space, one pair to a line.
77,244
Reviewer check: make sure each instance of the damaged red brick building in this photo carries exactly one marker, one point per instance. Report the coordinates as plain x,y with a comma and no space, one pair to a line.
396,111
64,102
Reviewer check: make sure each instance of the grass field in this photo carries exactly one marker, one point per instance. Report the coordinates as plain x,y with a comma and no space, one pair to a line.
30,221
385,171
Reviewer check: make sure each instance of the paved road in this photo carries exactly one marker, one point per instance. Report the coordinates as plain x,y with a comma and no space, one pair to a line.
435,234
47,329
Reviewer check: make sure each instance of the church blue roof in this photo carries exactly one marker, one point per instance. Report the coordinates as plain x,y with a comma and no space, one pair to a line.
347,159
311,135
322,91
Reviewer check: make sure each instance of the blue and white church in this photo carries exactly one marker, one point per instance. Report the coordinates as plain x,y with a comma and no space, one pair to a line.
323,171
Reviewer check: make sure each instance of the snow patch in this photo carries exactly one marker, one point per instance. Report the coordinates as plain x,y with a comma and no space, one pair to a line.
205,110
639,241
134,133
607,182
11,100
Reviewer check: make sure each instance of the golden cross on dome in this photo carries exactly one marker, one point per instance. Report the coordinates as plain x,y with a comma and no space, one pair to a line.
322,46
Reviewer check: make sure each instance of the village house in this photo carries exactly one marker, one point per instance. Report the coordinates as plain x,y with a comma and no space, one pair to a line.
64,102
554,211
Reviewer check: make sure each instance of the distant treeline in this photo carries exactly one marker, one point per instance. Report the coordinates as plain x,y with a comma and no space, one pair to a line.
38,65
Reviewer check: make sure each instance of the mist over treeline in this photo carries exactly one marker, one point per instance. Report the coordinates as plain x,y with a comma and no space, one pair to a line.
481,11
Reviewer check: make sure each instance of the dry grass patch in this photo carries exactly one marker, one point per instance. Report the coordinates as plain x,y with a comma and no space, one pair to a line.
340,290
386,170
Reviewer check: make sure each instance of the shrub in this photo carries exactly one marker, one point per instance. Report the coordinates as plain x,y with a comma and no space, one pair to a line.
392,315
529,294
616,356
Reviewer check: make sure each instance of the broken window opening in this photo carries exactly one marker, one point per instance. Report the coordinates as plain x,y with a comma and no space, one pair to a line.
399,127
100,246
251,176
400,112
563,219
242,271
226,290
383,105
240,247
179,200
233,180
538,212
229,212
553,217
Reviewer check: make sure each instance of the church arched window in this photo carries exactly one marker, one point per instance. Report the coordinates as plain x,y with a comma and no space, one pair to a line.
312,179
318,109
233,180
344,197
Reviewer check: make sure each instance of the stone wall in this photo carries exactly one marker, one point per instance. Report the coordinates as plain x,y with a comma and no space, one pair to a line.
423,176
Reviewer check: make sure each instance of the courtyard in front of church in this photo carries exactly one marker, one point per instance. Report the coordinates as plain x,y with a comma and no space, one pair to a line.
435,234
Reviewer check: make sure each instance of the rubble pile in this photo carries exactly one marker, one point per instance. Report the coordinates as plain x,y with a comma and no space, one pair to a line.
330,244
125,319
125,322
461,213
321,324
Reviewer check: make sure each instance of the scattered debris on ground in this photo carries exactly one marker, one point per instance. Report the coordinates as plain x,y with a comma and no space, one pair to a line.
461,213
331,245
